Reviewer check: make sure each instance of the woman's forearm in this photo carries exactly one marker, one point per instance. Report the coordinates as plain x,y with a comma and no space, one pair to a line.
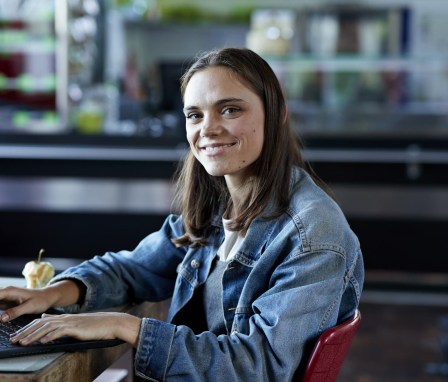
65,293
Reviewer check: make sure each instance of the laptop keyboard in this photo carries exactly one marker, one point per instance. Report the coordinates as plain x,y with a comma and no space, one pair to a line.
6,329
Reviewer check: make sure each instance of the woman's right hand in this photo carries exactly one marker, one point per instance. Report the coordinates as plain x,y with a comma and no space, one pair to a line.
18,301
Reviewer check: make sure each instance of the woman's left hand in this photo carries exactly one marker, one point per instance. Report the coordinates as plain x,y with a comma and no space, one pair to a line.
87,326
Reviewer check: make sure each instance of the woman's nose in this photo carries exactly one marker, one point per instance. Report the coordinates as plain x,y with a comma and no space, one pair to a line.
210,126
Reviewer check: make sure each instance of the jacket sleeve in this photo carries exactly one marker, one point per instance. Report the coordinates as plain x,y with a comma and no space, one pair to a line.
146,273
269,337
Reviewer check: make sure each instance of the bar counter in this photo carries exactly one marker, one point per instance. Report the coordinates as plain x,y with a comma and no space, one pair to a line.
80,196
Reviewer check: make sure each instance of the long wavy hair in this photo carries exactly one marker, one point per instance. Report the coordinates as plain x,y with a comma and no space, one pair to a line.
199,195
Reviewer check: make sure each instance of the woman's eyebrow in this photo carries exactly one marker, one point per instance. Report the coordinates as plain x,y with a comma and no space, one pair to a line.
187,108
217,103
227,100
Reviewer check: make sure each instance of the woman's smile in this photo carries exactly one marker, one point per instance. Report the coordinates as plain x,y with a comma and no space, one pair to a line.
214,149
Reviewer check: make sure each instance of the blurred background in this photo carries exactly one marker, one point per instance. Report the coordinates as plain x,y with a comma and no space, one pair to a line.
91,131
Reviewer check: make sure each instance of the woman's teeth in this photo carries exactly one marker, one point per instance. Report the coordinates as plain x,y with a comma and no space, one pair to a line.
213,148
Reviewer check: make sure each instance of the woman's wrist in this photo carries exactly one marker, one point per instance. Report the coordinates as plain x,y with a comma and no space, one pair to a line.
64,293
128,328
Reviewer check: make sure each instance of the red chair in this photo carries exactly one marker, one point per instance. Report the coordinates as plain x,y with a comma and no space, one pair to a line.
330,351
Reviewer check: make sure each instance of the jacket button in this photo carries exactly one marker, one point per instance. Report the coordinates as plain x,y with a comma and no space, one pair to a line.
195,264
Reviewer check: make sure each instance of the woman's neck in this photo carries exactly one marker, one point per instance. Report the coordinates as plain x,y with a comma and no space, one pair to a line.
238,193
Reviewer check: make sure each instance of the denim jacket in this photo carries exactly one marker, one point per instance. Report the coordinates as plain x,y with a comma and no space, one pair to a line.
292,278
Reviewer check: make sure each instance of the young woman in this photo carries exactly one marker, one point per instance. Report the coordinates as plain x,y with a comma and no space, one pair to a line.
258,263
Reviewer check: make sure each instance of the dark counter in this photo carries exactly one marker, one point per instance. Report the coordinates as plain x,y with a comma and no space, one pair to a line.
83,196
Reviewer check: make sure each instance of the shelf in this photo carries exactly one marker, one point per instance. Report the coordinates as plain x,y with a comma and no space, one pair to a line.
29,84
30,122
357,63
27,12
27,19
13,41
408,109
358,120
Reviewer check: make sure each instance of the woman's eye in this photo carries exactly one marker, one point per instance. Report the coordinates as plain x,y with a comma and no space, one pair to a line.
193,116
230,110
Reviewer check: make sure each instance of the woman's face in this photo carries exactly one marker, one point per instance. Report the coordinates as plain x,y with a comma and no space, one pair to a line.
224,122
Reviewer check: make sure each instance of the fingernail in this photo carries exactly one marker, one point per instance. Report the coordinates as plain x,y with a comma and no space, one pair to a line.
5,317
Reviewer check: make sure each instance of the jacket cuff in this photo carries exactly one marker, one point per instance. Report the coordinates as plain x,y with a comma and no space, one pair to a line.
153,349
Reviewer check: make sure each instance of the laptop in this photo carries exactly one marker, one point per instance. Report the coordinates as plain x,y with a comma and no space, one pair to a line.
64,344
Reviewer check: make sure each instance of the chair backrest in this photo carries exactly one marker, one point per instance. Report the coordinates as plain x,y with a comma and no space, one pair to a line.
330,351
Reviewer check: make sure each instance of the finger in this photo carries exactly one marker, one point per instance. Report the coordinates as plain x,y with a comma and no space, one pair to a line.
50,331
33,302
5,316
11,300
52,335
17,311
26,330
11,293
7,304
33,333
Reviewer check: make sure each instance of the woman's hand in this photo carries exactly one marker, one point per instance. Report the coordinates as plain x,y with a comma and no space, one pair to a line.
88,326
18,301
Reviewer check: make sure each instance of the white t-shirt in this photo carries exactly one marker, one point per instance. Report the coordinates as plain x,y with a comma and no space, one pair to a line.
232,241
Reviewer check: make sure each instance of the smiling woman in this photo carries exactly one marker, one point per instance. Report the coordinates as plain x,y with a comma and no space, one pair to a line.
258,248
245,105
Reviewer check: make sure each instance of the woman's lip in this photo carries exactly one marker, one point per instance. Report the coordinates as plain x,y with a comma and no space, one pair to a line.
216,149
213,146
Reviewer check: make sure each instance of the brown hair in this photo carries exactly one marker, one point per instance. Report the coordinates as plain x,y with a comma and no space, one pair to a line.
200,195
